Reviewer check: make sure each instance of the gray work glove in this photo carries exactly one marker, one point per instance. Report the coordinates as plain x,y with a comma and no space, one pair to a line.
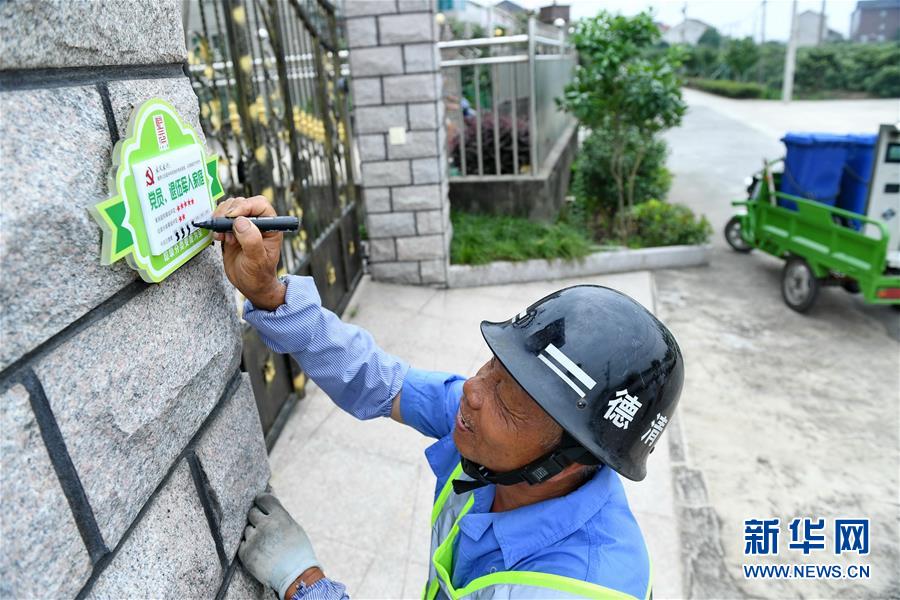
275,548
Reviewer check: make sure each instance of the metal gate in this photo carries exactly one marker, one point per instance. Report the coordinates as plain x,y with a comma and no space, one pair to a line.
272,86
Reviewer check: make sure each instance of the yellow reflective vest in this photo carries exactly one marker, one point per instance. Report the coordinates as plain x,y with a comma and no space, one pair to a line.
448,509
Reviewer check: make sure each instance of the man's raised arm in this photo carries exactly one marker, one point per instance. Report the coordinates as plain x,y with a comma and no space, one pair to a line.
342,359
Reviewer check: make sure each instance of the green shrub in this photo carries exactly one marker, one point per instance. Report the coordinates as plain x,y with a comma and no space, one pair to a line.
593,185
820,68
711,38
740,57
656,223
885,83
480,239
701,61
626,85
829,70
732,89
864,67
771,63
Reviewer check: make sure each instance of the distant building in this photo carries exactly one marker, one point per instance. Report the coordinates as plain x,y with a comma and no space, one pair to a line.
688,32
511,7
482,13
875,21
808,23
549,14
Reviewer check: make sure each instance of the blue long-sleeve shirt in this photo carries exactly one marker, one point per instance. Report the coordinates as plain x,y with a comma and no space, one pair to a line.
341,358
323,589
588,534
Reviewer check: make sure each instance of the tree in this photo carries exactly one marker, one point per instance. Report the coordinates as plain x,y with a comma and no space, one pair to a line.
711,38
595,190
700,61
740,56
820,68
624,89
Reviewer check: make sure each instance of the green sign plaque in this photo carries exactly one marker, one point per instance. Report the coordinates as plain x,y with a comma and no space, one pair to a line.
161,182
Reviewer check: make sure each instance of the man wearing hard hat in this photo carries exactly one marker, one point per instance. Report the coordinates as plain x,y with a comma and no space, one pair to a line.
528,502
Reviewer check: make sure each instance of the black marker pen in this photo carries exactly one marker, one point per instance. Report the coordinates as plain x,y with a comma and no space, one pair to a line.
224,224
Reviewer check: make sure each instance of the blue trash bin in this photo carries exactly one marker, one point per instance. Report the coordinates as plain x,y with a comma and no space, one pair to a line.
813,167
857,172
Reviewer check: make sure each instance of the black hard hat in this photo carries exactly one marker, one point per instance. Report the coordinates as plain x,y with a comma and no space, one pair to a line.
601,365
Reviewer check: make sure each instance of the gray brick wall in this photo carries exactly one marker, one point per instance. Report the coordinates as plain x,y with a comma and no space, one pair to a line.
396,83
131,444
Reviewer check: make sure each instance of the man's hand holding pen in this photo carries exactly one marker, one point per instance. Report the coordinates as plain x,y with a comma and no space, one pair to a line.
251,256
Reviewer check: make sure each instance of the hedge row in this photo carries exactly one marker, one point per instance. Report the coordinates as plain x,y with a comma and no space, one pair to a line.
830,70
732,89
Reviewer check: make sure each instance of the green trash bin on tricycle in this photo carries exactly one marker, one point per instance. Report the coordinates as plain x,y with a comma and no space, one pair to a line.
823,244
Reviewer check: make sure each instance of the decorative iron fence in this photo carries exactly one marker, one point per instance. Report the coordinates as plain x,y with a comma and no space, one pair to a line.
500,94
271,80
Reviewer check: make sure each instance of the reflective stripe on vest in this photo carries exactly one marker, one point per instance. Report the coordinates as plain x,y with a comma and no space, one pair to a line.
448,509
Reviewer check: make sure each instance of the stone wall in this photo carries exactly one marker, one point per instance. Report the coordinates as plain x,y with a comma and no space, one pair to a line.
131,443
396,85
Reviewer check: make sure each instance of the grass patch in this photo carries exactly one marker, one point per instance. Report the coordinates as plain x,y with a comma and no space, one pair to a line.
480,239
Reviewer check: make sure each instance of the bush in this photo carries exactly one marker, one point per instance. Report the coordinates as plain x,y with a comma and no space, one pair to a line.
829,70
732,89
505,133
820,68
865,67
739,58
701,61
656,223
885,83
480,239
595,190
626,85
771,63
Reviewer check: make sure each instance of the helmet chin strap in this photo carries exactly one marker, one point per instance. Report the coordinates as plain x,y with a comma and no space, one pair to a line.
569,451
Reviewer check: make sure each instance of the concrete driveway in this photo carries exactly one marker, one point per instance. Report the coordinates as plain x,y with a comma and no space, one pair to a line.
783,415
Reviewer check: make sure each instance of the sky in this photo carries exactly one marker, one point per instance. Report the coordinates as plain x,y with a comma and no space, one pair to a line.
737,18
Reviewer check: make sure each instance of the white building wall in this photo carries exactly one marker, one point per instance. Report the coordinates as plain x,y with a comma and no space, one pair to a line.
686,32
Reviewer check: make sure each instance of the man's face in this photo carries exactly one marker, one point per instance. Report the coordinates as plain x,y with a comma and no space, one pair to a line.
498,424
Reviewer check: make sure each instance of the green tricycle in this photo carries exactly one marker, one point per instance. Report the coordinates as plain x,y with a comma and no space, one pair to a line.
822,245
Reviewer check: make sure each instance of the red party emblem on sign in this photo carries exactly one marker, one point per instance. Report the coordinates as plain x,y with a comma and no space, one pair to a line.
149,176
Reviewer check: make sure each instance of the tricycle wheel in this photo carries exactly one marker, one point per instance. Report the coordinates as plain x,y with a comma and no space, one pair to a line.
733,235
799,285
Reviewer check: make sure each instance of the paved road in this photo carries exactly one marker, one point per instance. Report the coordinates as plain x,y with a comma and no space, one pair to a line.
783,415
